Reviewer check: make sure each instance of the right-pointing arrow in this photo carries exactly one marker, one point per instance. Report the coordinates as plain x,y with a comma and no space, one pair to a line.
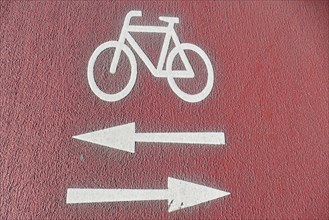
123,137
180,194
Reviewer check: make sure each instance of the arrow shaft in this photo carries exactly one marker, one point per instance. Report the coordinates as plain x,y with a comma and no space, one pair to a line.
182,138
114,195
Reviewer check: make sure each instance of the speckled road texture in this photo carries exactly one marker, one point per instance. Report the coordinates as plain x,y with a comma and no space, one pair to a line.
270,97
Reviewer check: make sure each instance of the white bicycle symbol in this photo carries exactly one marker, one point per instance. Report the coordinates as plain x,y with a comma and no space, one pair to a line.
156,71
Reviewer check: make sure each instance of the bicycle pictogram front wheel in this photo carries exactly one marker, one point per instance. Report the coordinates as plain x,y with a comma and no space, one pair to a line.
111,97
199,96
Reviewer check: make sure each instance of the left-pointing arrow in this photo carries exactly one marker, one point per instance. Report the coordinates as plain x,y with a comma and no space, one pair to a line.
123,137
180,194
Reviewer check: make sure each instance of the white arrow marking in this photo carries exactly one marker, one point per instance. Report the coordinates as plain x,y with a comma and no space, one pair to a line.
123,137
180,194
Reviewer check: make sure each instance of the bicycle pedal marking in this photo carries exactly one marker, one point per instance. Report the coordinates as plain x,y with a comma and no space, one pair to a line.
159,71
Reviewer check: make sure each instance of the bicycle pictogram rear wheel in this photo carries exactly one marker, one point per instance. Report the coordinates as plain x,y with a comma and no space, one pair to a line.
91,77
171,79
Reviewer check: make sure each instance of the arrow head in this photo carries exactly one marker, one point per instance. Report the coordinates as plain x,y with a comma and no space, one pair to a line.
121,137
184,194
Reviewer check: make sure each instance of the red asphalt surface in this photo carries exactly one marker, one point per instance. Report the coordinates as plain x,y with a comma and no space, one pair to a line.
270,97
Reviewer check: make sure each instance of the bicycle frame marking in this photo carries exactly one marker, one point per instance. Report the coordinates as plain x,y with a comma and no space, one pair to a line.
156,71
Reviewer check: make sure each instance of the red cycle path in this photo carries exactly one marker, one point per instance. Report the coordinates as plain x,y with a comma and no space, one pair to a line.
270,97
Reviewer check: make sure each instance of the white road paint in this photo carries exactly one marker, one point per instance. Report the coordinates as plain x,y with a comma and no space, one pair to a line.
123,137
180,194
159,71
